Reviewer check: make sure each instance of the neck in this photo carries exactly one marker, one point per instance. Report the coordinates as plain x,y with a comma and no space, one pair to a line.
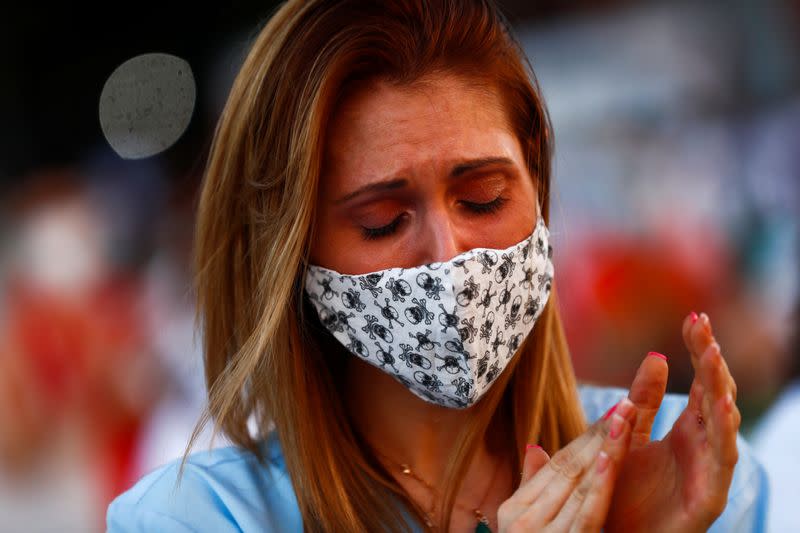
407,429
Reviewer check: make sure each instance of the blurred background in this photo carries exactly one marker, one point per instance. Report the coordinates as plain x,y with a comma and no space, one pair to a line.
677,188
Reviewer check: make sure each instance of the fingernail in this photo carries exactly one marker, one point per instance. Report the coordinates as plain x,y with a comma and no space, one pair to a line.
529,446
624,408
706,322
616,426
656,354
694,317
602,462
610,411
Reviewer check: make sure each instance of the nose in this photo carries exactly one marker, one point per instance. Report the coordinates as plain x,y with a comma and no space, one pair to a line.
440,243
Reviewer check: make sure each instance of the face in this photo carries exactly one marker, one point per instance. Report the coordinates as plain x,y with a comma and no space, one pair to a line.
420,174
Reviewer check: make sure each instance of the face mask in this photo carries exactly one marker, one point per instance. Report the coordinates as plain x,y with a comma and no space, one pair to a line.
445,330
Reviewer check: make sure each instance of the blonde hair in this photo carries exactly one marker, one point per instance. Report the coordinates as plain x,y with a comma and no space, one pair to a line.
265,355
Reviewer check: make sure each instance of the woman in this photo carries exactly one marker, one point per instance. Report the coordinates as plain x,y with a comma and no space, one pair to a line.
378,299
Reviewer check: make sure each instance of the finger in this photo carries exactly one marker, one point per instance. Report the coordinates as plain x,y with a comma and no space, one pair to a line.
577,455
721,424
534,477
701,338
551,500
713,376
728,378
569,457
535,459
707,372
705,338
713,382
587,506
646,393
696,396
722,437
686,329
688,426
691,414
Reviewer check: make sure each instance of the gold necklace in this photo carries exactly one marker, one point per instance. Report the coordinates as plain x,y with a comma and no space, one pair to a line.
482,525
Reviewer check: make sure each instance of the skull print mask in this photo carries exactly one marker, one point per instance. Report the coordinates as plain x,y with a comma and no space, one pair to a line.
445,330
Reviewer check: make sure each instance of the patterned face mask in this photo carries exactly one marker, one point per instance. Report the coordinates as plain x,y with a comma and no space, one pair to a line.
444,330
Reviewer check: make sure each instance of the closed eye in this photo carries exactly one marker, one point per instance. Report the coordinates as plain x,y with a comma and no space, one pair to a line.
383,231
488,207
390,228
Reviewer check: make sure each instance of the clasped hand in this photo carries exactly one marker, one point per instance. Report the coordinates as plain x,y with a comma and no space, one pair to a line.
615,478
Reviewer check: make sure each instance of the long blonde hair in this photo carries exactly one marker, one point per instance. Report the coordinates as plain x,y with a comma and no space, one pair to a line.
265,356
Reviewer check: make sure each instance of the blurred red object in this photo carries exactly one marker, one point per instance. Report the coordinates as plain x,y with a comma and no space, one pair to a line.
79,353
77,372
625,295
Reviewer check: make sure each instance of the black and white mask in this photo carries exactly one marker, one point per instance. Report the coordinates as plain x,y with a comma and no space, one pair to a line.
445,330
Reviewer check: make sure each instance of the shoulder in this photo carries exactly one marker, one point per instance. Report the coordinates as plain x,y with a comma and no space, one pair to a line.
776,441
224,489
747,497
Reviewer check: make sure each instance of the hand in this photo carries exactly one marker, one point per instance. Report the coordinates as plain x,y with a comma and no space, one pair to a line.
572,491
680,483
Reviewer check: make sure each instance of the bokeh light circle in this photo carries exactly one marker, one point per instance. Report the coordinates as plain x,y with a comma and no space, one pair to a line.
147,104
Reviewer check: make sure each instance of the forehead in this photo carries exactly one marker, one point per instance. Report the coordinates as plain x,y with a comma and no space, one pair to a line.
379,130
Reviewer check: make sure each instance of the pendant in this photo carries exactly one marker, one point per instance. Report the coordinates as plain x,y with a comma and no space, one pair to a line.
483,522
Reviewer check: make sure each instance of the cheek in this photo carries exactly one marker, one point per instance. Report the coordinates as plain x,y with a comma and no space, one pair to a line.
523,216
324,245
338,245
527,210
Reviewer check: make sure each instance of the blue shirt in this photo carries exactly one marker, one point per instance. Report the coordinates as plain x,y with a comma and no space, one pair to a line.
776,441
226,489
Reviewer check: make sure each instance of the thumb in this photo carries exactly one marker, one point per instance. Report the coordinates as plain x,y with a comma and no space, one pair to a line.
535,458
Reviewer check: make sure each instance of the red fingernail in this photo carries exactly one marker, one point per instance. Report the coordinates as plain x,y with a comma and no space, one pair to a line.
661,355
610,411
694,317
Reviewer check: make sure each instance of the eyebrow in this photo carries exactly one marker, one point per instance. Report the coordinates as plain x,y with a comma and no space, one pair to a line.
398,183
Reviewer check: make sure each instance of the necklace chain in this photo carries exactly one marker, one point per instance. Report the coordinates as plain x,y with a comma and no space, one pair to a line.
479,515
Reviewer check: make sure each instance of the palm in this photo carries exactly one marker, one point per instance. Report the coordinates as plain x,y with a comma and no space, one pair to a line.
661,482
680,482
